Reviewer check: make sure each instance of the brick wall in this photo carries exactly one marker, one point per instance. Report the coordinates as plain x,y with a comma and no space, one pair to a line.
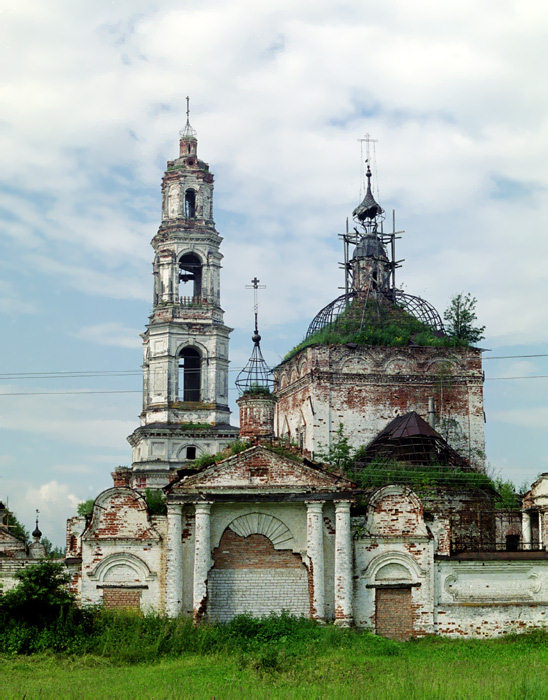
121,598
364,388
394,613
249,575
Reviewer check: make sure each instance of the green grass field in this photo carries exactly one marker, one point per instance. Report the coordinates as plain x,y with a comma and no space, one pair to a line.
351,666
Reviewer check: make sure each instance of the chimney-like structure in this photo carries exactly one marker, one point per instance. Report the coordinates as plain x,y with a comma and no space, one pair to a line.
256,415
121,476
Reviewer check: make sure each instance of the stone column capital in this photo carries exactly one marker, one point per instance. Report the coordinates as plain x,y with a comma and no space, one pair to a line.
314,505
203,506
341,506
174,508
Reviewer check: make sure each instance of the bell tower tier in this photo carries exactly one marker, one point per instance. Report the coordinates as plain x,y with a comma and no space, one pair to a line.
185,368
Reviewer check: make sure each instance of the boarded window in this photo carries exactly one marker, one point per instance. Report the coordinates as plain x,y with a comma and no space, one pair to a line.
393,613
121,598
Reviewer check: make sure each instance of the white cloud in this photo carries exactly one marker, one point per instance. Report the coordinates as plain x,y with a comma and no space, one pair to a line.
114,334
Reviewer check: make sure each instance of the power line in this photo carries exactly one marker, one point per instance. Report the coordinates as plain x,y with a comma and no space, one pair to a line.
512,357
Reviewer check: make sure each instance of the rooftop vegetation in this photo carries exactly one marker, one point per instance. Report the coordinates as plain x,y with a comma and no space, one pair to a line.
378,323
257,390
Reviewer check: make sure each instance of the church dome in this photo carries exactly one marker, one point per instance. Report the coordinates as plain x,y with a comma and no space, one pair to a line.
350,309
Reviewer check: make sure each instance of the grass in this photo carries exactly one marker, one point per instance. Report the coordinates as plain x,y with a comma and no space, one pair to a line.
379,323
131,656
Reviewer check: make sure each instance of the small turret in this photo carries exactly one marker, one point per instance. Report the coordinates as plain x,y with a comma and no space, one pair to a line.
255,384
37,549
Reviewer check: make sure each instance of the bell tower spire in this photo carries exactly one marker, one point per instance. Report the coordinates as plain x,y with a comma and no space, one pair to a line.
185,368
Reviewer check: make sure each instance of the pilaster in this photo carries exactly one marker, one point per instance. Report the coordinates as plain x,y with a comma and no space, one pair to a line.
174,560
314,550
343,565
202,558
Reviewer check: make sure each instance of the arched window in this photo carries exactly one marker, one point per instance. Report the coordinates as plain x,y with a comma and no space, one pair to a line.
190,204
191,452
190,375
190,267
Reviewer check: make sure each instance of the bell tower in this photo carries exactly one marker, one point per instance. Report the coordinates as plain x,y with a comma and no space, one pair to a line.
185,345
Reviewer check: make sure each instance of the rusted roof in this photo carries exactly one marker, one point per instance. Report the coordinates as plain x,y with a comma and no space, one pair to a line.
408,425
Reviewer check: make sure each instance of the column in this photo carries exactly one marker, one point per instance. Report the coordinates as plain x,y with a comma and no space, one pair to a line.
526,529
541,542
174,560
314,550
343,565
202,558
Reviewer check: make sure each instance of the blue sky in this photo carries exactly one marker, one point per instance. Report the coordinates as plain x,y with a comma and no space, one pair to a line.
93,96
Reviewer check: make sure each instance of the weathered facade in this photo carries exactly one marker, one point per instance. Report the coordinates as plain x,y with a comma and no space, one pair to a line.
185,346
363,388
263,528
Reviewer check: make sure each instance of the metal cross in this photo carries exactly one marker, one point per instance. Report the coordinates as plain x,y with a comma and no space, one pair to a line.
255,286
367,140
187,109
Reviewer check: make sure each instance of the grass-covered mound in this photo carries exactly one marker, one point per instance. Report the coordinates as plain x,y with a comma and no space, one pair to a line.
377,322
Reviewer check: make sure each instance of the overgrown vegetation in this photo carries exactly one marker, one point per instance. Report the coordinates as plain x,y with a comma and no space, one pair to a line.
86,507
15,528
377,323
96,653
257,390
233,448
382,472
460,317
156,501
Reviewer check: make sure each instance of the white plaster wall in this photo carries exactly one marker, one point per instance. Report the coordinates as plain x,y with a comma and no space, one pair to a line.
490,598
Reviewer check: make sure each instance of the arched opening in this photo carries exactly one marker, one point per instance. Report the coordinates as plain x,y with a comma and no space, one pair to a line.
191,452
190,375
190,204
190,267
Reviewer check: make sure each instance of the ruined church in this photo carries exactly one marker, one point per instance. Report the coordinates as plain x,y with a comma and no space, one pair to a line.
406,541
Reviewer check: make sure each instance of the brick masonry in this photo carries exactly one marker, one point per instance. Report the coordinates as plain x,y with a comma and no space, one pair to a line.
394,613
249,575
123,598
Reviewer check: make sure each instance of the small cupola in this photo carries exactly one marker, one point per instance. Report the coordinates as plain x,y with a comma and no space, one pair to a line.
188,142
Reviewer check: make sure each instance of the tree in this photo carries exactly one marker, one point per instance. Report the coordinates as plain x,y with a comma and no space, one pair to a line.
86,507
339,452
52,552
460,317
15,528
40,596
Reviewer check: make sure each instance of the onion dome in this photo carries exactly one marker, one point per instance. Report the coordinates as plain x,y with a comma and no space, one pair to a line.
36,533
369,208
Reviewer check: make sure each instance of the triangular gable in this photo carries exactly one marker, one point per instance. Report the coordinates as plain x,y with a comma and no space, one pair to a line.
262,469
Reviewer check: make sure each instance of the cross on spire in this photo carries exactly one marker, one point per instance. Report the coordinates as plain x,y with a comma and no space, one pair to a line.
255,286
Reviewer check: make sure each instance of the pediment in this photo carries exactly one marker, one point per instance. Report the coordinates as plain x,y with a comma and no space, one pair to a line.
261,469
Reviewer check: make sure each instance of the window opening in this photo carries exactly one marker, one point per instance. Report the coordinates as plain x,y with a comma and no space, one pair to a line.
190,268
191,453
189,375
190,204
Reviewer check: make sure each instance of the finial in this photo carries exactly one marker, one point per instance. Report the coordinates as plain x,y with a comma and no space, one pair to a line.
188,131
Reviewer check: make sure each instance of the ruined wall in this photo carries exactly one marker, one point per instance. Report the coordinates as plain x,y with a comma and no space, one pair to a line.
250,575
365,387
490,598
122,551
394,550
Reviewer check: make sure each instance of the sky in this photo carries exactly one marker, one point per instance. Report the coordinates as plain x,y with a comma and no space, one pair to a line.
92,98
